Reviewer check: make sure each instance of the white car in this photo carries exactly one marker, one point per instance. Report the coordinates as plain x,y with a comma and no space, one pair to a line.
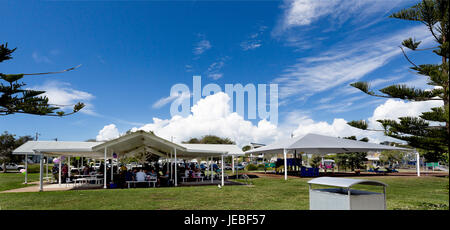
97,166
12,166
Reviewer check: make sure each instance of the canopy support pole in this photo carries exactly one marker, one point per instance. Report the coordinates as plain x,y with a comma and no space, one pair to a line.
170,167
112,171
104,170
232,163
46,161
175,154
59,171
68,164
285,164
26,168
41,172
211,170
222,172
418,163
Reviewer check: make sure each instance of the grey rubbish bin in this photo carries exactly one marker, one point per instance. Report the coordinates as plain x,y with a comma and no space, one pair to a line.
343,197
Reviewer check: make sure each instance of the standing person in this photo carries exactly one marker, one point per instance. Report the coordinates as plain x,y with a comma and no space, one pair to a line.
64,172
55,172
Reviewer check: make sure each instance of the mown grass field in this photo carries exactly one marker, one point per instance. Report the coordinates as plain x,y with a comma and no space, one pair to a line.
266,193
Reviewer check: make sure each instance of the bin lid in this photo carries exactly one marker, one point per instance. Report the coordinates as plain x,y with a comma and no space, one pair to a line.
343,182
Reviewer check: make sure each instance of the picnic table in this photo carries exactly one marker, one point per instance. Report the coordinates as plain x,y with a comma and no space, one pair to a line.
85,180
151,180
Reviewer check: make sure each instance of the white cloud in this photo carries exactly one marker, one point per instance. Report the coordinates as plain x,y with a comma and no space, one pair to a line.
393,109
108,132
343,64
305,12
64,96
201,47
212,115
250,45
40,58
390,109
253,41
165,100
214,70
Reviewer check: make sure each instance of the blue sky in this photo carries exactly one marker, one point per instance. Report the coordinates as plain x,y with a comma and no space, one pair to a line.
132,53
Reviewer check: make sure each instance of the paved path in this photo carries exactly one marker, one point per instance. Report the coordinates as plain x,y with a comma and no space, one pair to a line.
51,187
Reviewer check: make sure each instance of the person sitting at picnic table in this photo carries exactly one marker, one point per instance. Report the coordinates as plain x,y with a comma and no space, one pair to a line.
140,176
153,173
186,173
197,173
129,176
86,170
123,168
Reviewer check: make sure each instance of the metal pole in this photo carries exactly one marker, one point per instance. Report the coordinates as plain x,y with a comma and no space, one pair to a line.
232,163
112,167
211,169
222,172
171,170
46,161
26,168
104,170
41,172
59,171
112,171
237,172
175,151
418,163
285,164
68,162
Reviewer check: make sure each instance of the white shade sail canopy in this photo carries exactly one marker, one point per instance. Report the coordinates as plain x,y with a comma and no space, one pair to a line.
59,148
320,144
226,149
140,141
126,145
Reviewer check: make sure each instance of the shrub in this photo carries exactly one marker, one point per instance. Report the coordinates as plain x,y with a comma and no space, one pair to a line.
261,167
252,167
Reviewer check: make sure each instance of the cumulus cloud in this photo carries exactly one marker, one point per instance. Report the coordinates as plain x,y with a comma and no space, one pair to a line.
212,115
108,132
390,109
393,109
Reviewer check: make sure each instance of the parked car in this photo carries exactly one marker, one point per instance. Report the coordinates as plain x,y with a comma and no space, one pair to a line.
239,167
12,166
97,166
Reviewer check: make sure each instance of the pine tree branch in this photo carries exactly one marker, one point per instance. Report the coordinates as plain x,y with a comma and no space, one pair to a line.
406,56
62,71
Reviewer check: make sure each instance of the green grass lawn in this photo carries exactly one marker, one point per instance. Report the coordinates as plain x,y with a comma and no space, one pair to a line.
267,193
11,180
